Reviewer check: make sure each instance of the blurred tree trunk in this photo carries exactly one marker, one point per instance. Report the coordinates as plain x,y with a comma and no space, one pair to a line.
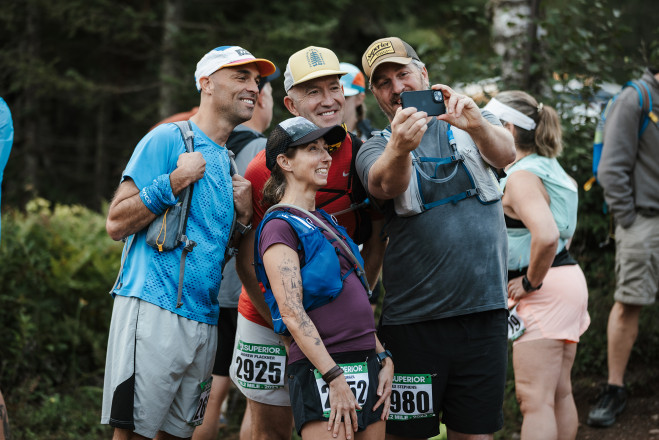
170,29
514,29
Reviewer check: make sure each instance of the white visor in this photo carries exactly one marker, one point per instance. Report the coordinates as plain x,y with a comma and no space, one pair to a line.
509,114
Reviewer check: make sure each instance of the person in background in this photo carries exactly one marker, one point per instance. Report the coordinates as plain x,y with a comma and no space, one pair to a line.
246,140
545,284
354,90
334,339
158,367
444,311
628,173
6,142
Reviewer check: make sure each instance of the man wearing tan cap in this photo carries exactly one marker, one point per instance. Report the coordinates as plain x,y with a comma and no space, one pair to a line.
314,92
444,312
162,340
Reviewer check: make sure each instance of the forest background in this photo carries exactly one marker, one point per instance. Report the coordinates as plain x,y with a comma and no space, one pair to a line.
86,79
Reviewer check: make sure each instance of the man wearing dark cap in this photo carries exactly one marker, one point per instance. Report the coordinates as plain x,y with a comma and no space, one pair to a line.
161,345
444,313
314,91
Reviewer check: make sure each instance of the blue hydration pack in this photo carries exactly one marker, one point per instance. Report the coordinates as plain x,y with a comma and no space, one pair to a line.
644,101
321,270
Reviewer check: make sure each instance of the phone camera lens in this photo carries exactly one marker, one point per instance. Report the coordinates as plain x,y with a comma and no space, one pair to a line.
437,96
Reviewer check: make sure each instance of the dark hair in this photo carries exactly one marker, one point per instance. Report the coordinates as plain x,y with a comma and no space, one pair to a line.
545,139
275,186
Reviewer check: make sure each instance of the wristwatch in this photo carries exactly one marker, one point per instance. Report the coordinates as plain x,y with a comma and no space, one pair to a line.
382,356
526,284
243,229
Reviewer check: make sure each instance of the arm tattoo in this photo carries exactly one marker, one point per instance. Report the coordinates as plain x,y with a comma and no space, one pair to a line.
292,283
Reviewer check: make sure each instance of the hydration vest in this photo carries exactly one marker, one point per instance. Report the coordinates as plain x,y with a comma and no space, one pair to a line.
321,270
465,154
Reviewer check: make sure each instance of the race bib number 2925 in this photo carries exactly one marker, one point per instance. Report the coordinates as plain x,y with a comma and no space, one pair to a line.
411,397
260,366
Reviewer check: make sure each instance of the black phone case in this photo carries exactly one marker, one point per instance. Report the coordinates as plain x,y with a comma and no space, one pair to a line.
423,101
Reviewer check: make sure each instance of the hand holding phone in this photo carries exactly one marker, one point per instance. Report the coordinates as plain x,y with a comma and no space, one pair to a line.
429,101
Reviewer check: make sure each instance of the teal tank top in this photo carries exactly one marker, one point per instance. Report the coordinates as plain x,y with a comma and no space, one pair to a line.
563,205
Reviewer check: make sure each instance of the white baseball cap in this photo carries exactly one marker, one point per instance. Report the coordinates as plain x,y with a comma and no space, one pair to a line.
224,56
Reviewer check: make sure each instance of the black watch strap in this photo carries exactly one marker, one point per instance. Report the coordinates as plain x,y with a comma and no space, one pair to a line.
382,356
526,284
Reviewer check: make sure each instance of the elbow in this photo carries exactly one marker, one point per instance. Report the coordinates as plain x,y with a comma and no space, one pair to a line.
507,155
548,242
113,230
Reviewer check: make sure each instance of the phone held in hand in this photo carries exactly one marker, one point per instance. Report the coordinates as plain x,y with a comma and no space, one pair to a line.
429,101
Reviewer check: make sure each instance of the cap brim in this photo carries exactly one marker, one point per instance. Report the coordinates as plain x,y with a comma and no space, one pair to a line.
265,67
318,74
332,135
397,60
349,91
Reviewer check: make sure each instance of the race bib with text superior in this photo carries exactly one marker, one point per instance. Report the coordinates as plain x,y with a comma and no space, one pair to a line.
411,397
357,377
198,417
260,366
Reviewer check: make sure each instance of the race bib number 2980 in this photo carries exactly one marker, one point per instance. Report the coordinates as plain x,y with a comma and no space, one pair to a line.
411,397
260,366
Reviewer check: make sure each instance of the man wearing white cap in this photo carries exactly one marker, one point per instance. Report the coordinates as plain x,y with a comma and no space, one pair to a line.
312,83
161,348
444,313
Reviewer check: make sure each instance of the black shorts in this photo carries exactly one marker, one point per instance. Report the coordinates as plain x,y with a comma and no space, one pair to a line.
306,399
226,332
462,360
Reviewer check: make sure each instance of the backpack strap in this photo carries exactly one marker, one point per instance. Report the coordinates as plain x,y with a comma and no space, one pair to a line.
238,139
187,133
188,137
231,250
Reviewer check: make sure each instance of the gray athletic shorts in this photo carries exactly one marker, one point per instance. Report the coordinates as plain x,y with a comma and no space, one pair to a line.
156,362
258,367
637,261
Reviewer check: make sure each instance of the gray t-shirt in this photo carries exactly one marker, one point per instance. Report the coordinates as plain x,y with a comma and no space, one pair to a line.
450,260
231,285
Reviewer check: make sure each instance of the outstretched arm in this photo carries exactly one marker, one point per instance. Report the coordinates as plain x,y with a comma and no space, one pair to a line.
495,143
390,174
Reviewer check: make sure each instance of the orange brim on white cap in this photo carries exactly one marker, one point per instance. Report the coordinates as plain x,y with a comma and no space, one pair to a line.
224,56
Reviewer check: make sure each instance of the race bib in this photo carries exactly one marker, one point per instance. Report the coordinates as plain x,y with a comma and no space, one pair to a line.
516,326
198,416
260,366
411,397
357,377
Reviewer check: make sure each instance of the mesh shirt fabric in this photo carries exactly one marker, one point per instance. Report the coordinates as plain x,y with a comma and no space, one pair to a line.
153,276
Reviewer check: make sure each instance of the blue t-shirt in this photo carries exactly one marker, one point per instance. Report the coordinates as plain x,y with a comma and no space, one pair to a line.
153,276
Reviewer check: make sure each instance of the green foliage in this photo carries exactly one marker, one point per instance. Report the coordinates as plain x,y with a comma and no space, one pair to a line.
58,266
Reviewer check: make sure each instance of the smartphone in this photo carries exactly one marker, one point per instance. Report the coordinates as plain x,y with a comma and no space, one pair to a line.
429,101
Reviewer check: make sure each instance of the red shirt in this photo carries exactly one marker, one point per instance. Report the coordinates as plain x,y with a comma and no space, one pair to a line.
338,178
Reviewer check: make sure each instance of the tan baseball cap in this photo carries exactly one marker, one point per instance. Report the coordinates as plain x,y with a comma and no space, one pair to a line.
312,62
387,50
